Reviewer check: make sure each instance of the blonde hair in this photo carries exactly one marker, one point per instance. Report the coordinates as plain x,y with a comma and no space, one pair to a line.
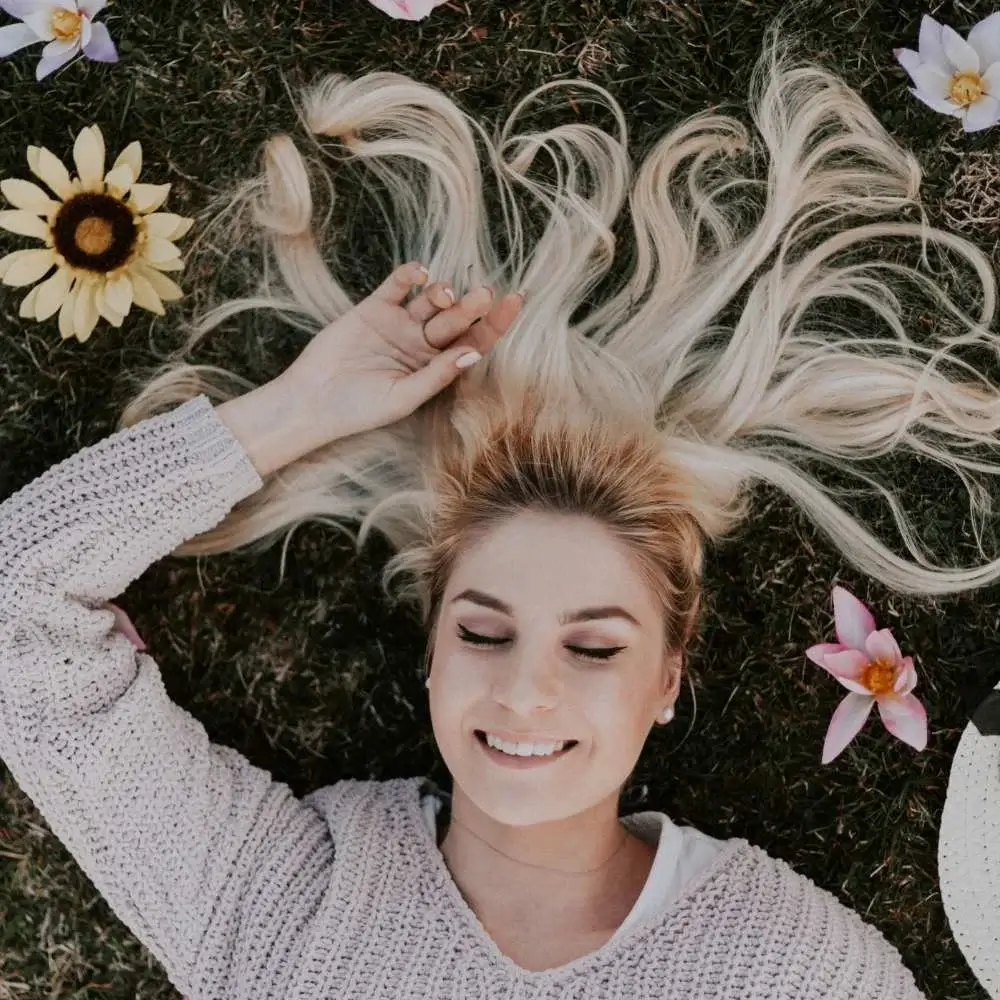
653,407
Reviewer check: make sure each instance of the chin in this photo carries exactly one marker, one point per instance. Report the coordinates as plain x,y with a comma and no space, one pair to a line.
517,809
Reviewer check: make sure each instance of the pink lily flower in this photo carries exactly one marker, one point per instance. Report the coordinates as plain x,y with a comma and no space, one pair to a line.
870,665
407,10
125,626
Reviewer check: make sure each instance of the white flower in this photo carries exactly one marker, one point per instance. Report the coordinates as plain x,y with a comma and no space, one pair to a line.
407,10
957,77
67,25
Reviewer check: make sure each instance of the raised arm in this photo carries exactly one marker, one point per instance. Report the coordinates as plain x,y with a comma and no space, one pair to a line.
178,834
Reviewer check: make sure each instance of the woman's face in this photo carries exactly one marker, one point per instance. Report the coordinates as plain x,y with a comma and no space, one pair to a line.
600,681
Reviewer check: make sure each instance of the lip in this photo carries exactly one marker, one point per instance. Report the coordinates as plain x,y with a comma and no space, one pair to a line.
520,763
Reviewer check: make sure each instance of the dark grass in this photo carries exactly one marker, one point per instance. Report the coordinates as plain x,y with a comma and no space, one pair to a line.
320,679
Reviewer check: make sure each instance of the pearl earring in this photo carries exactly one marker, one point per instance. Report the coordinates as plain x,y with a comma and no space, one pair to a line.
667,714
427,683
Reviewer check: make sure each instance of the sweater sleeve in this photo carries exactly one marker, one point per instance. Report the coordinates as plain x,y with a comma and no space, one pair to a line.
202,855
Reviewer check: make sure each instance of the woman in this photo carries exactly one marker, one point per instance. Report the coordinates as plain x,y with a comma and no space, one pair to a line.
549,506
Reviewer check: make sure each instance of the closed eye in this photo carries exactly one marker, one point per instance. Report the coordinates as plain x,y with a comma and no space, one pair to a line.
588,653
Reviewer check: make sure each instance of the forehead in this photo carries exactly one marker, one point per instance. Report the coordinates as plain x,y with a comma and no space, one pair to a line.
540,561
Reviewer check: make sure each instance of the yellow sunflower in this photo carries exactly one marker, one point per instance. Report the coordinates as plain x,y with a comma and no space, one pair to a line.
102,234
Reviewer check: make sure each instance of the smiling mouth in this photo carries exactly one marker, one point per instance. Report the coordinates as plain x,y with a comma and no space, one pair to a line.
567,745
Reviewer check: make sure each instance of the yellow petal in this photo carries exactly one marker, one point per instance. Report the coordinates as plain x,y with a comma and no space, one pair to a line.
66,315
132,156
24,224
149,197
118,181
118,294
167,265
158,249
28,196
114,317
25,267
88,155
85,314
145,295
27,310
164,224
164,287
52,293
49,168
183,227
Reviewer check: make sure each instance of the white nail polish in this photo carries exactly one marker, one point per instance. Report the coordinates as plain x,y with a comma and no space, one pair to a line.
467,360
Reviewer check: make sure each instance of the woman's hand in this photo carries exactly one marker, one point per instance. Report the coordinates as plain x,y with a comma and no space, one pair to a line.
372,367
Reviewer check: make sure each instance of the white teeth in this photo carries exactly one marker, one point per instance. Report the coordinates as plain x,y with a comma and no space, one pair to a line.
524,749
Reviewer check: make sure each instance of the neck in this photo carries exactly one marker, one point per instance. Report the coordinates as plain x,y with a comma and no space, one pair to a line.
582,874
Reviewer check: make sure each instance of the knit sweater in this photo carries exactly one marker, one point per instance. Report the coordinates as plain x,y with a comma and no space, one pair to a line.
241,890
681,853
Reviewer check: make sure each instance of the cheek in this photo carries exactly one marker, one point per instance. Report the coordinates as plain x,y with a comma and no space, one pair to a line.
619,712
456,687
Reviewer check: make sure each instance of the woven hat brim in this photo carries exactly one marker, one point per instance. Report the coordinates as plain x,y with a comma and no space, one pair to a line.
969,855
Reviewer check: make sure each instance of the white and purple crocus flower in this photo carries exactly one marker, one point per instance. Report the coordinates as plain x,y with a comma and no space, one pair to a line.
67,26
957,76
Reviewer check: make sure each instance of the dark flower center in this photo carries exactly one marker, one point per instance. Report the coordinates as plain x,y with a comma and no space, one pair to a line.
95,232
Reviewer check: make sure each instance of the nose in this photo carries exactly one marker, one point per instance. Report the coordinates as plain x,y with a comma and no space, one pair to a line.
527,686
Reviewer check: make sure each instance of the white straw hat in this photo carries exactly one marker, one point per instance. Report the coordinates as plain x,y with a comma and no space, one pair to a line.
969,845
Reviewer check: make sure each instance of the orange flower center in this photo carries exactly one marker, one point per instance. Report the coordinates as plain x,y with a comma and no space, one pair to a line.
94,235
879,677
966,88
65,24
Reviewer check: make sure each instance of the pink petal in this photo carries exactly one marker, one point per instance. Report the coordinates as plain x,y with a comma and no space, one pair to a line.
929,42
124,625
847,667
962,56
407,10
48,64
907,679
100,48
820,650
985,113
14,37
846,724
908,59
905,718
882,646
854,621
22,8
942,105
932,83
985,39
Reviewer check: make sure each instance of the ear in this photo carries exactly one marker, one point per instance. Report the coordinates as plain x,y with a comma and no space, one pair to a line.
673,671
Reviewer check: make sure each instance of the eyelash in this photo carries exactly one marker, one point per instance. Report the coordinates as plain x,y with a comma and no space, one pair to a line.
602,655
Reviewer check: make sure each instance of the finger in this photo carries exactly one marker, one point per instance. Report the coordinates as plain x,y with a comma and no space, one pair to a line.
399,284
430,302
484,334
425,383
446,326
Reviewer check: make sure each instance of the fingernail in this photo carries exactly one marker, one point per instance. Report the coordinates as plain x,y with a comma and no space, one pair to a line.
450,294
467,360
423,270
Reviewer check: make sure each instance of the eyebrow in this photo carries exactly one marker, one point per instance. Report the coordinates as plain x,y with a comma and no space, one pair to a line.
566,618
